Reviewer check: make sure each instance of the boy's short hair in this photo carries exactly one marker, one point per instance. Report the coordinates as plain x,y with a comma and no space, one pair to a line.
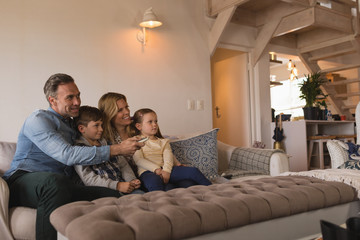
87,114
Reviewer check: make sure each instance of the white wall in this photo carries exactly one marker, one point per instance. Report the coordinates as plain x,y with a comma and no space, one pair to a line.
95,42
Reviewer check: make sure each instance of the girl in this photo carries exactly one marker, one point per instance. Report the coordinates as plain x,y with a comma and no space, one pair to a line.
155,160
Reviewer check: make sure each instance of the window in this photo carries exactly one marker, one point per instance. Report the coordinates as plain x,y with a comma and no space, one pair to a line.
285,98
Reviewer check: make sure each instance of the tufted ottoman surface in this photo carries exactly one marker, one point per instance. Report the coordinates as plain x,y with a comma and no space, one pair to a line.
182,213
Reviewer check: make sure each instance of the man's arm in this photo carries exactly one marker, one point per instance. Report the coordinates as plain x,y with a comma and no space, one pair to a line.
48,134
126,147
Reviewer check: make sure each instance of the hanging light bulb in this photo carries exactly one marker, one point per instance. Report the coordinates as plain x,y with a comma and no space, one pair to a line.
292,76
295,71
290,65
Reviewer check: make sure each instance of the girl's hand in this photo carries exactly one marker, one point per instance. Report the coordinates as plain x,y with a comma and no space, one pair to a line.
165,176
177,163
136,183
158,171
125,187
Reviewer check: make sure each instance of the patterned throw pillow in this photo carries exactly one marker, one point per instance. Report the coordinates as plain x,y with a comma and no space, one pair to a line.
199,151
353,157
350,164
353,151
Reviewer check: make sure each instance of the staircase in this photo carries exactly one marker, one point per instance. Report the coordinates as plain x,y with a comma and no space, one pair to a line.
335,57
323,33
340,90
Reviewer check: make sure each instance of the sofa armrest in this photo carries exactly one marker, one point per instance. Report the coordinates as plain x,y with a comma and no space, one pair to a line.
277,163
4,211
224,155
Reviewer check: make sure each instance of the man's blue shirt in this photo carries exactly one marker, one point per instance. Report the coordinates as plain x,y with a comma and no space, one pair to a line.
45,144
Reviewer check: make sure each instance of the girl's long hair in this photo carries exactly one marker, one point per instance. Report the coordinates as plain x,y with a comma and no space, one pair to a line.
107,105
138,118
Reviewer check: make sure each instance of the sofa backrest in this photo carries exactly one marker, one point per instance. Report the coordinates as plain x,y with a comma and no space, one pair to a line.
7,151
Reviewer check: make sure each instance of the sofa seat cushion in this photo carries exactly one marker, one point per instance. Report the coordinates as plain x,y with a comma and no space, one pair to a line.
231,173
22,222
182,213
7,151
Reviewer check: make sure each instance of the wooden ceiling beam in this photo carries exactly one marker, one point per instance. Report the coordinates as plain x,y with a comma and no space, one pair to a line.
217,29
217,6
305,3
263,38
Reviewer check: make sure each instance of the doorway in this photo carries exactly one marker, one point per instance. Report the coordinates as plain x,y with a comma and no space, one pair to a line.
231,96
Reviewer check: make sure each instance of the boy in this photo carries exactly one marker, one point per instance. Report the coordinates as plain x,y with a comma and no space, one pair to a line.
116,173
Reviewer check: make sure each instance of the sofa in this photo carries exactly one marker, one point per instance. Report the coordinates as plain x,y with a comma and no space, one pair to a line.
19,222
263,207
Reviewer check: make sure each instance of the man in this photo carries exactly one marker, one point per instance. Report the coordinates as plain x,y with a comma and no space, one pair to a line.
40,175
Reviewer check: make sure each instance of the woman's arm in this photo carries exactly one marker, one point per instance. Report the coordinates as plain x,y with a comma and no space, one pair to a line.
126,171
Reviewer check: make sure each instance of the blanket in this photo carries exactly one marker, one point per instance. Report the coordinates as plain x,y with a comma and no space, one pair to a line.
347,176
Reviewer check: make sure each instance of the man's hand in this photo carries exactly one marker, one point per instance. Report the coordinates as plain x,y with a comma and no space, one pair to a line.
165,176
125,187
126,147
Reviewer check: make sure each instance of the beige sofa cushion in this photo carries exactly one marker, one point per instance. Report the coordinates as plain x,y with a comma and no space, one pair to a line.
182,213
7,151
19,220
22,222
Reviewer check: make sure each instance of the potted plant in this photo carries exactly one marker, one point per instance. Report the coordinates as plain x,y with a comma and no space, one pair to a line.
314,97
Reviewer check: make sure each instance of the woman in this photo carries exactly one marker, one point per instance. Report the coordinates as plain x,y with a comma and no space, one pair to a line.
116,123
116,120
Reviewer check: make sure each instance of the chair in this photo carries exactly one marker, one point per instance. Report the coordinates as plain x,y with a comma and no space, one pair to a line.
319,154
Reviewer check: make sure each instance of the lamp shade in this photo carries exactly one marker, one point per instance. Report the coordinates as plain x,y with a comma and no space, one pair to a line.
150,19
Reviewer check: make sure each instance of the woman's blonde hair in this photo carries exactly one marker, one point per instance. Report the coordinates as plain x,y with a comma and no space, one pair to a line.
108,106
138,118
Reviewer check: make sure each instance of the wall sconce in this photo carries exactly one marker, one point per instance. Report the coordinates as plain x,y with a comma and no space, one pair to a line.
273,58
149,21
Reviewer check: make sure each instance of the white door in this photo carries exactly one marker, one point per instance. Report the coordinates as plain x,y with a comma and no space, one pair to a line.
231,97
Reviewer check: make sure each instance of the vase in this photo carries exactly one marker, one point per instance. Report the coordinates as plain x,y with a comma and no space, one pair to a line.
322,114
311,113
